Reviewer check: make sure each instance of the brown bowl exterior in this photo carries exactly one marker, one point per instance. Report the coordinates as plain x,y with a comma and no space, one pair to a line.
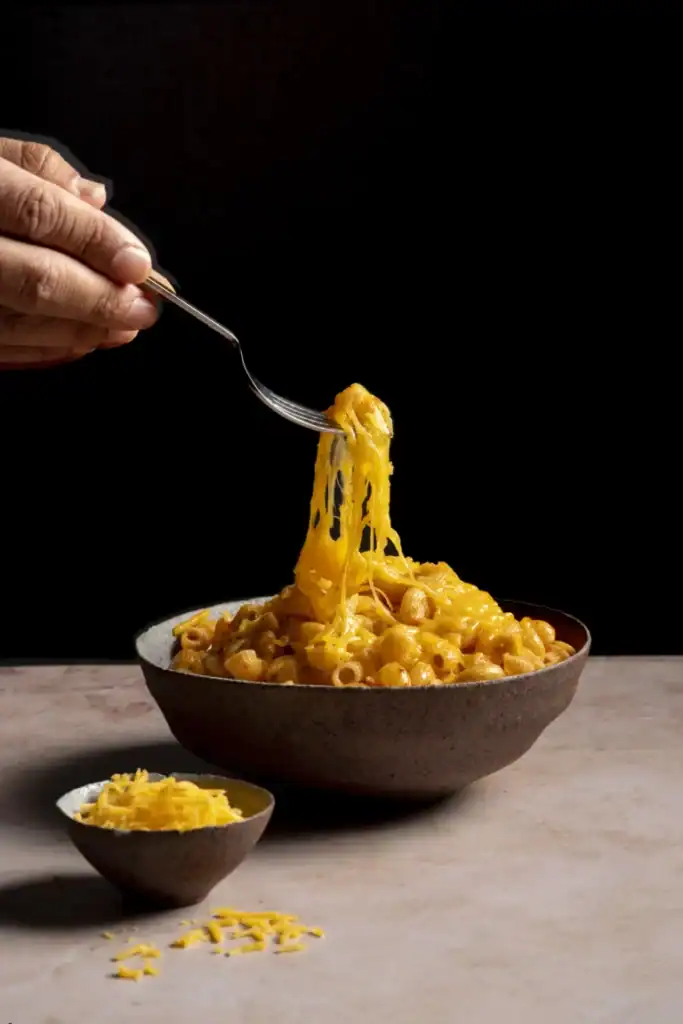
171,869
418,742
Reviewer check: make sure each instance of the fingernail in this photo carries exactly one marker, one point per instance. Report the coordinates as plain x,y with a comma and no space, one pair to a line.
131,264
141,313
92,191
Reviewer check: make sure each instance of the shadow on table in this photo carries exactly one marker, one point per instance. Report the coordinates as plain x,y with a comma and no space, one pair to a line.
65,902
27,797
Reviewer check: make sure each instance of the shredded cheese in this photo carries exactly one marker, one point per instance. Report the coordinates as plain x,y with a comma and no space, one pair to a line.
255,947
142,949
190,938
259,926
129,973
283,930
134,803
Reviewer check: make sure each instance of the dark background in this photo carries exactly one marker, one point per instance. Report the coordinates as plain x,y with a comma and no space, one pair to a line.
469,213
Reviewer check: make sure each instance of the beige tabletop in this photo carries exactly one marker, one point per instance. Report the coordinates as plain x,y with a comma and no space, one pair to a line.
551,893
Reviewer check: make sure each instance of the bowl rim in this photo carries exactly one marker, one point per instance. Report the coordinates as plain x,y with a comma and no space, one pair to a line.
359,688
155,777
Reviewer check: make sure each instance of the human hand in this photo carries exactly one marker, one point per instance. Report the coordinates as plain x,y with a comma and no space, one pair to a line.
68,271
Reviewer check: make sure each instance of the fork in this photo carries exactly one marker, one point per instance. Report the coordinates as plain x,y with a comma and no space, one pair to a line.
292,411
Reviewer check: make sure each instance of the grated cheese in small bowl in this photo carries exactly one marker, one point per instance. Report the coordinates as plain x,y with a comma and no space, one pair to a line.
134,802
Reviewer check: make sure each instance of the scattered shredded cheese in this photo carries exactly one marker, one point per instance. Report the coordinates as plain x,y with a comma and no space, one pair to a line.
134,803
284,929
254,947
142,949
259,926
129,973
189,938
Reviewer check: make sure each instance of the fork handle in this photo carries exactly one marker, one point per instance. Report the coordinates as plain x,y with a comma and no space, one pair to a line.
159,285
154,277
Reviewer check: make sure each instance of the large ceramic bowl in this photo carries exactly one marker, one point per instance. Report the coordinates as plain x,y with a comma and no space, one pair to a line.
414,742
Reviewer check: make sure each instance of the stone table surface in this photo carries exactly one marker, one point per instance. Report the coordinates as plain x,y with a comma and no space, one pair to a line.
550,893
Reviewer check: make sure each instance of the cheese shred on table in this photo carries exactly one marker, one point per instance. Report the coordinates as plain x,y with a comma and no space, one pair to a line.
129,973
260,926
283,931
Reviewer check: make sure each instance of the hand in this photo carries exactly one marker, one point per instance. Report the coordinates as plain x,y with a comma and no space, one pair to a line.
68,271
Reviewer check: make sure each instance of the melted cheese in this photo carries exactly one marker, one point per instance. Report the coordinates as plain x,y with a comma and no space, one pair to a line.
361,612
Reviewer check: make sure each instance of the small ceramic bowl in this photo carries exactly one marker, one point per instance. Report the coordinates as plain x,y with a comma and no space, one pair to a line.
413,742
173,869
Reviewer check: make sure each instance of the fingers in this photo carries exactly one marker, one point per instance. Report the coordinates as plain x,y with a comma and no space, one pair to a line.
20,333
35,356
43,282
60,309
39,342
117,338
42,212
46,163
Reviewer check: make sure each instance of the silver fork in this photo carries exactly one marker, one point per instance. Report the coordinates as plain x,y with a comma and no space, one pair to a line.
299,414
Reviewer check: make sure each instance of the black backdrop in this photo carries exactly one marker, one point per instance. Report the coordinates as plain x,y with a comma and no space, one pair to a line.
467,213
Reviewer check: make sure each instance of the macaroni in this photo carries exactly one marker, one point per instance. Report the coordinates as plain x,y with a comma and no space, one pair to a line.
361,613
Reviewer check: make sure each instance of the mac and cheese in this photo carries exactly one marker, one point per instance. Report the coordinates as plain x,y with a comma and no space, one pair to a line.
361,613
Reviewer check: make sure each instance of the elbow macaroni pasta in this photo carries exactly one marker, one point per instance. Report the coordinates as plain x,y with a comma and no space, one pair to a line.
361,613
